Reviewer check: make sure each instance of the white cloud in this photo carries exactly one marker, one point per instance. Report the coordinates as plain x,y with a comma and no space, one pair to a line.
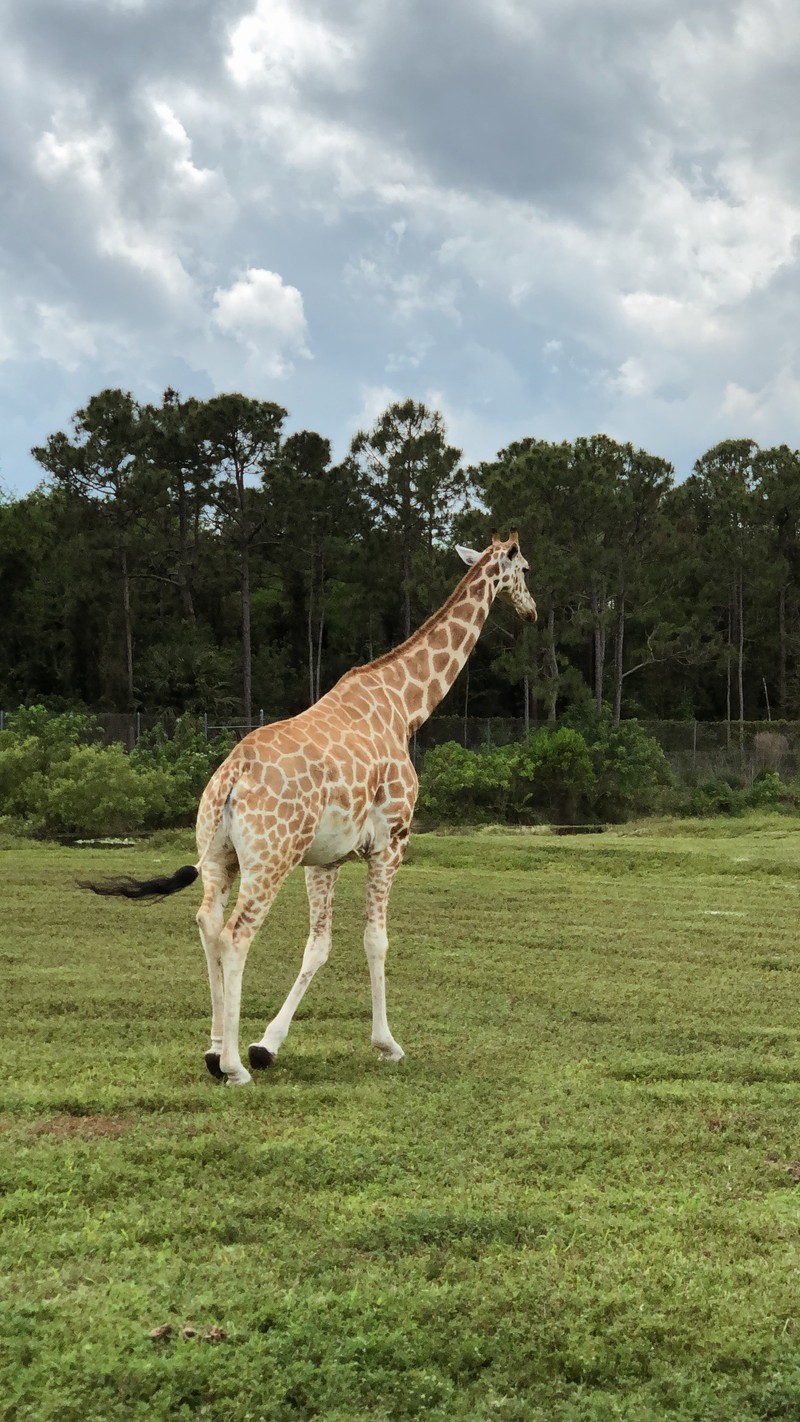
759,411
277,44
374,400
407,295
265,314
80,158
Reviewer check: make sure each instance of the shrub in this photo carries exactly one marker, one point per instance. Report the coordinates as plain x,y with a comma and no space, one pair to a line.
98,791
34,749
719,797
466,786
630,766
556,772
768,791
56,779
186,761
588,771
714,797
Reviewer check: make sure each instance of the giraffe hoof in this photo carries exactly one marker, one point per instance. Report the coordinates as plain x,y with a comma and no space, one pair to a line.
259,1056
212,1062
390,1051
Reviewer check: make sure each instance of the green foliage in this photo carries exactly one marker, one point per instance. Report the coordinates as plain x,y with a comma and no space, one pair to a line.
462,785
56,780
630,766
554,772
35,751
720,797
98,791
164,529
186,759
595,771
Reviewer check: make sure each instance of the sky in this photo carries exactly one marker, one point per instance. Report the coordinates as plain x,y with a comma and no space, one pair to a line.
541,217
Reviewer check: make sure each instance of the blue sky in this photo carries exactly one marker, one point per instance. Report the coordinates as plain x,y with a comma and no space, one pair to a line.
544,217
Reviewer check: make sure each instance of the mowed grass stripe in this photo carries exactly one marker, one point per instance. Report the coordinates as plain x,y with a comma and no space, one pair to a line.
577,1198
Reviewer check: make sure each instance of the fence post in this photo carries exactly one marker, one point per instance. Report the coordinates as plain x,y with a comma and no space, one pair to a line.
694,747
138,727
205,724
2,720
261,716
488,732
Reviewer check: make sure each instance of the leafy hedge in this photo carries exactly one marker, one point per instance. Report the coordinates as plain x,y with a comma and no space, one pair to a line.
583,772
56,778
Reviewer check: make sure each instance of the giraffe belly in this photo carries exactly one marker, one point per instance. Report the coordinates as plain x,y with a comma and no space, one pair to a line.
338,837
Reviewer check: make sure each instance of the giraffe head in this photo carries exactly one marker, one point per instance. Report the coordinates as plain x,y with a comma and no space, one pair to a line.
504,561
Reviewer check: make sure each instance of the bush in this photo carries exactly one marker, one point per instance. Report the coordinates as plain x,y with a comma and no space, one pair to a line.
630,766
56,779
719,797
463,786
714,797
590,771
98,791
555,770
186,761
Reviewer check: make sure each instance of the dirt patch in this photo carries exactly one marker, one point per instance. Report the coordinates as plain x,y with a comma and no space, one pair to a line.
67,1127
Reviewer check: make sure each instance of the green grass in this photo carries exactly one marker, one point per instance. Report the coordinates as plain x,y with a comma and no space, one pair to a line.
577,1199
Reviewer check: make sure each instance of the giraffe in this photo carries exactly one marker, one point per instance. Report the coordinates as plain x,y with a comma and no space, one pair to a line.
333,784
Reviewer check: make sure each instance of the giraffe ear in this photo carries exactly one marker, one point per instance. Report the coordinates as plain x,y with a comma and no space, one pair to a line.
467,555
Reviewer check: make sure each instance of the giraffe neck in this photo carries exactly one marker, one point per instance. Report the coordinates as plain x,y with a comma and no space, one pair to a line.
424,668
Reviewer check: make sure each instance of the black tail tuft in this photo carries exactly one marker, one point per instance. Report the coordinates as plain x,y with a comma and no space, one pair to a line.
128,888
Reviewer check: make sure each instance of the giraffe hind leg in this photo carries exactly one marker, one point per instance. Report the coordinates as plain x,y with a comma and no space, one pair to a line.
217,874
256,895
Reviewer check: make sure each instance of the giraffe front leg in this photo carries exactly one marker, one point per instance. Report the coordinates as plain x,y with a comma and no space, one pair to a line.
320,884
382,869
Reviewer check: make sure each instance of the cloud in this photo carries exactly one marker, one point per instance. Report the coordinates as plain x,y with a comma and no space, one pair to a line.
559,218
277,43
266,315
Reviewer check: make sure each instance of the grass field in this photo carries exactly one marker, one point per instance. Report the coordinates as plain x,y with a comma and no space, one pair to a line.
578,1198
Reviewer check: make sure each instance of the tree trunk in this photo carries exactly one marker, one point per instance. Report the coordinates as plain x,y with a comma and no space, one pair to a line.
728,678
311,697
619,659
406,587
184,585
526,689
126,607
553,660
247,658
599,649
740,609
740,669
782,653
321,627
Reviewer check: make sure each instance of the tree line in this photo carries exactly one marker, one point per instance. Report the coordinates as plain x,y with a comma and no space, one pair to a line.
189,555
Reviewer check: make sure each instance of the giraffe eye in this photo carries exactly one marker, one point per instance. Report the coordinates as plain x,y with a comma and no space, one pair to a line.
513,551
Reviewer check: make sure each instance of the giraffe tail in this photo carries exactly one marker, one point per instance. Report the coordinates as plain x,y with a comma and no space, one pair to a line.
128,888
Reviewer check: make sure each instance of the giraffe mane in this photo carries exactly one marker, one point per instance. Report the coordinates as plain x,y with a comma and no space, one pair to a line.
425,627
